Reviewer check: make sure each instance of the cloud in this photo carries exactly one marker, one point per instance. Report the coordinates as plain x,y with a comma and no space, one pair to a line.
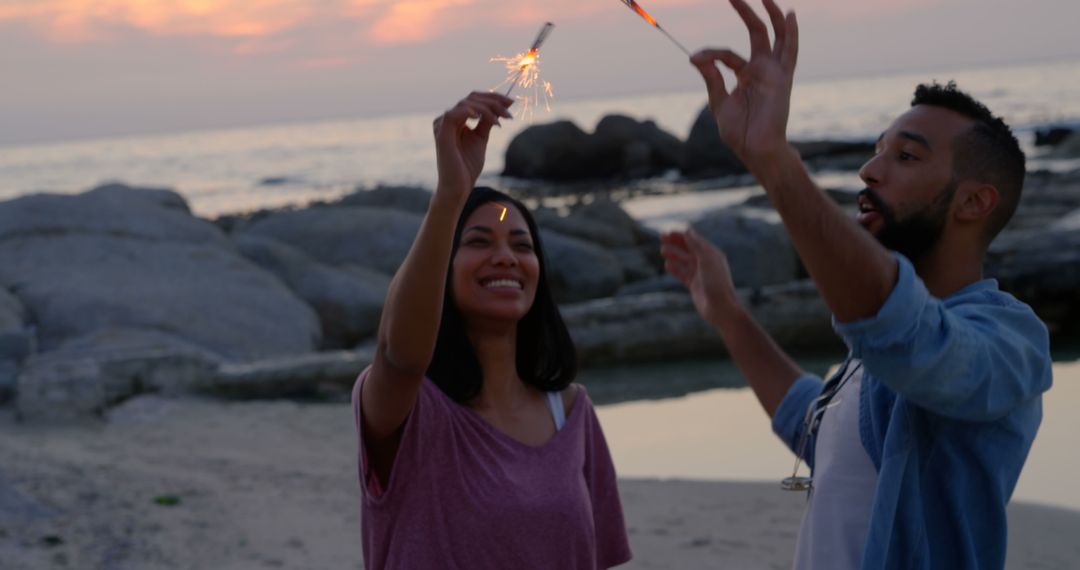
89,20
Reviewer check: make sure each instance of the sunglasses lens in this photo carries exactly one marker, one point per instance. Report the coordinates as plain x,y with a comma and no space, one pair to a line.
796,484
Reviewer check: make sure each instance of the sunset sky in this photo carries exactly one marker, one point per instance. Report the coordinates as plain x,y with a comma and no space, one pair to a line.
86,68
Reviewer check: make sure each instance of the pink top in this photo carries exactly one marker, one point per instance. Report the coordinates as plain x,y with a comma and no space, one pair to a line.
462,494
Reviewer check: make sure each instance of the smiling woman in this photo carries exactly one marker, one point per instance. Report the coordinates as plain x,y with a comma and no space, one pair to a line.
473,441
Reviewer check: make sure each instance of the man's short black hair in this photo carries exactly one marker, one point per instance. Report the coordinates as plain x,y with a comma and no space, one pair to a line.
987,153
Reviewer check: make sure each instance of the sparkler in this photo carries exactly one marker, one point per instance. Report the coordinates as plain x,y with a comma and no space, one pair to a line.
648,18
524,69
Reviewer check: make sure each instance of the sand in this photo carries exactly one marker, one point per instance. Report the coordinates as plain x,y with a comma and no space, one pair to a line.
273,485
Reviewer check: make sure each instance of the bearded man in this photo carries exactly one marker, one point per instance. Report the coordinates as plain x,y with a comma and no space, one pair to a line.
916,444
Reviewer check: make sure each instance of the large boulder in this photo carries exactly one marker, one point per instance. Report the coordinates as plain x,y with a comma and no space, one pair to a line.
620,148
378,238
579,270
835,155
1042,268
555,151
122,257
76,284
116,210
1051,136
407,198
347,303
623,147
84,376
1069,147
704,154
757,247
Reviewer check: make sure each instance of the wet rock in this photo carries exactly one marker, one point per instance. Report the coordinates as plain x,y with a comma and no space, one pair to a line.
579,270
705,155
348,304
755,242
378,238
620,148
555,151
1051,136
405,198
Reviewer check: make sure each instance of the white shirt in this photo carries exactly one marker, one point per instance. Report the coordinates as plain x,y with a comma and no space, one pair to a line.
837,517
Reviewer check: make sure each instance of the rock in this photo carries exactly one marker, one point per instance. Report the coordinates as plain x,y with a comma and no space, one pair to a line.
659,326
704,154
625,148
579,270
164,197
835,155
292,376
620,148
115,211
1067,148
406,198
1051,136
81,379
845,198
660,284
347,304
610,214
1042,268
757,246
378,238
582,228
638,263
75,284
555,151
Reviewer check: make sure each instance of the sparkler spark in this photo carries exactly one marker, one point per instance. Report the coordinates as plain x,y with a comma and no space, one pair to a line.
648,18
524,69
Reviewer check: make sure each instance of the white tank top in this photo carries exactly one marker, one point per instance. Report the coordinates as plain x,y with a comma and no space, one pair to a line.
837,516
554,401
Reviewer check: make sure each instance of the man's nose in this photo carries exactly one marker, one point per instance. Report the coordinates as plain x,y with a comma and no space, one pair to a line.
871,171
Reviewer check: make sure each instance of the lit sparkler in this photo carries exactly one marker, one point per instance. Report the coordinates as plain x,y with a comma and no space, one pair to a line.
524,69
648,18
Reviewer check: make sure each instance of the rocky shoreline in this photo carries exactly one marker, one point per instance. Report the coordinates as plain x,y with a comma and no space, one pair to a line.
121,291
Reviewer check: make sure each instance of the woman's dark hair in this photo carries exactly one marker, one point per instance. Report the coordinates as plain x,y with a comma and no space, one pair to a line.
546,357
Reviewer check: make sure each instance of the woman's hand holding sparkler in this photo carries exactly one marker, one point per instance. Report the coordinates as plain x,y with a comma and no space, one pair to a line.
753,116
461,149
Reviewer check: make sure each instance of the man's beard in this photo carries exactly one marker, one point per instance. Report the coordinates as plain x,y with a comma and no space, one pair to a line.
916,234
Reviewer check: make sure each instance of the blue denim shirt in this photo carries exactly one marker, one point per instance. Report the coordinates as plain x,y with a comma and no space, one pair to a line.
951,399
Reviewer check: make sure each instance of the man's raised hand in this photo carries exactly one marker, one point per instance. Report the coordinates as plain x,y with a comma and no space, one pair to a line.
753,116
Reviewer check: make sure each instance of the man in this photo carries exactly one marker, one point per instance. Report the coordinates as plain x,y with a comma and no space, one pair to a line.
917,443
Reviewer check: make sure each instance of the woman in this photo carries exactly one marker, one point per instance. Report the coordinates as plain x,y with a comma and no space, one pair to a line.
476,451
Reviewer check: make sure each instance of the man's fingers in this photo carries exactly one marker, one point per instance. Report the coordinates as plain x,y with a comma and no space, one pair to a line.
778,24
705,62
790,54
759,34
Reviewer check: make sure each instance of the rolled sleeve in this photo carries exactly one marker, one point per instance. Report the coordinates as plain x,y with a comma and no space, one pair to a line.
895,321
975,355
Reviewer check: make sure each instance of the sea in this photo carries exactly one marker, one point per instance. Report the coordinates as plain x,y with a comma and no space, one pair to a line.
693,419
244,169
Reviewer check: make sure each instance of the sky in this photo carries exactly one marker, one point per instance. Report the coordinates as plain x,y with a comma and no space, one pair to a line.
72,69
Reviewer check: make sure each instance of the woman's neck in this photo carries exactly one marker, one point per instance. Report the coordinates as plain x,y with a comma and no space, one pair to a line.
496,351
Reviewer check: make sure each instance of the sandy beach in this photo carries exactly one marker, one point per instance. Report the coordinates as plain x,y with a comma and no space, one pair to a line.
194,483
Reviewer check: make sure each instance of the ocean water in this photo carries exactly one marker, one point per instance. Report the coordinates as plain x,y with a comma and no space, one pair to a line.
222,171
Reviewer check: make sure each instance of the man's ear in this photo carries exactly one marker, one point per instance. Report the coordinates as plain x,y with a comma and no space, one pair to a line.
975,201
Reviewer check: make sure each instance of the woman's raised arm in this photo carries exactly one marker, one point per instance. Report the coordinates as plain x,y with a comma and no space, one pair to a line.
410,320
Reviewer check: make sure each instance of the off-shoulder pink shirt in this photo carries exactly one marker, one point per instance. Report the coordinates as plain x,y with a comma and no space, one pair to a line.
462,494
